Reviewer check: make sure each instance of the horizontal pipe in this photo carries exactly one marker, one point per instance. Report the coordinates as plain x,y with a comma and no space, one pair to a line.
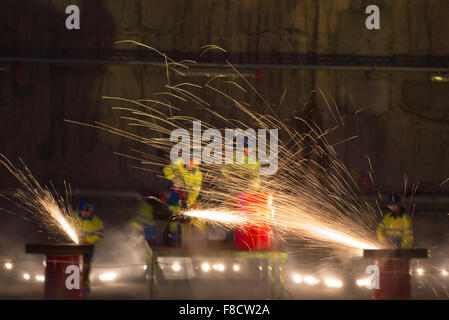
222,65
419,253
89,193
420,198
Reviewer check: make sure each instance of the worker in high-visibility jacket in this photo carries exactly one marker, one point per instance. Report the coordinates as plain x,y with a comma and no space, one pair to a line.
187,180
185,192
90,231
243,181
244,173
143,221
396,228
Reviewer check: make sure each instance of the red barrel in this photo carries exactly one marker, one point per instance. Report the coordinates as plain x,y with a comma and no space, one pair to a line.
395,280
256,235
56,276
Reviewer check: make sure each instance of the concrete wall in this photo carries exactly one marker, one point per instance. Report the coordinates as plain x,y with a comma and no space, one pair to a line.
403,128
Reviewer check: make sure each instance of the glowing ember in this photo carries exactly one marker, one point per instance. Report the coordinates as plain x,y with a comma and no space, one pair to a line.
313,197
45,207
67,228
216,216
341,238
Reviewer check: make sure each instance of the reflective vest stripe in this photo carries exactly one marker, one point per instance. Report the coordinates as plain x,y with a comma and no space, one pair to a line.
90,233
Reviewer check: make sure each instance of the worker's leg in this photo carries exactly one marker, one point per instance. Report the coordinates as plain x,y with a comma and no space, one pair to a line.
174,234
86,273
282,278
186,234
150,235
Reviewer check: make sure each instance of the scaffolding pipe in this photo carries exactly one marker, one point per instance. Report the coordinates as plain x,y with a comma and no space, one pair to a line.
222,65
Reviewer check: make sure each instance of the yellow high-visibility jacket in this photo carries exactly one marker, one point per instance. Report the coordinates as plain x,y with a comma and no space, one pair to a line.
175,172
90,229
188,181
249,168
185,180
144,216
396,229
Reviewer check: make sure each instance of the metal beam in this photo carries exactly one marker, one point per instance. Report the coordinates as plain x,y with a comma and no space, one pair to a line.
240,66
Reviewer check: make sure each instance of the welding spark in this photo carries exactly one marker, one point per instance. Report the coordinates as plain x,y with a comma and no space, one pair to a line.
66,227
312,196
216,216
341,238
44,206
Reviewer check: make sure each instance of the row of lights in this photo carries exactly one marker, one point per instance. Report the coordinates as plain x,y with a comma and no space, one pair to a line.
206,267
26,276
311,281
297,278
334,283
39,278
108,276
364,282
420,272
368,281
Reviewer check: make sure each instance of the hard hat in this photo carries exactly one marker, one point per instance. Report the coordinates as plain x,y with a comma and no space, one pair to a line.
393,199
85,206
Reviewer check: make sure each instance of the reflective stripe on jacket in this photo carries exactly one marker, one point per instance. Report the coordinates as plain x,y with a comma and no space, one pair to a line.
144,216
91,229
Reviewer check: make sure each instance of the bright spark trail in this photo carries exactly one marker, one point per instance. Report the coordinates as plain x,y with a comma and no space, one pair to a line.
315,230
315,198
51,211
333,235
216,216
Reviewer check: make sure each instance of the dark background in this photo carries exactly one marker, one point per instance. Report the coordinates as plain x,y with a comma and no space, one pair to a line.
49,74
403,128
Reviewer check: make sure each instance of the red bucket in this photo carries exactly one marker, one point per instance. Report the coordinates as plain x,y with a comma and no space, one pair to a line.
259,208
56,276
395,281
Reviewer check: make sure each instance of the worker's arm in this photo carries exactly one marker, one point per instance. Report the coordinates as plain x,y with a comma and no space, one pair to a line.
192,198
197,181
407,237
255,172
144,217
193,183
169,173
381,236
97,234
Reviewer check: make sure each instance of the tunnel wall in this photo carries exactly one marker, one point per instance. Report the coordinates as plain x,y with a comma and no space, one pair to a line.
403,125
